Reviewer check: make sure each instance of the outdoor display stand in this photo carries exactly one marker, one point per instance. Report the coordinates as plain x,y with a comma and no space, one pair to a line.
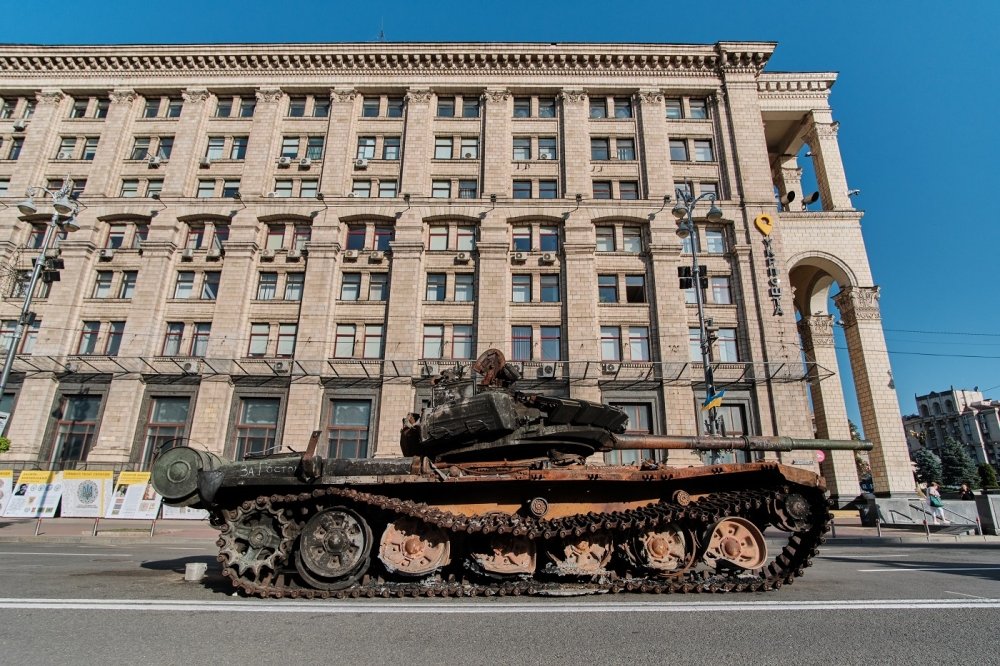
6,487
134,498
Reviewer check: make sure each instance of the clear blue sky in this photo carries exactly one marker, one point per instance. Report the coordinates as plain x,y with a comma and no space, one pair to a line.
916,93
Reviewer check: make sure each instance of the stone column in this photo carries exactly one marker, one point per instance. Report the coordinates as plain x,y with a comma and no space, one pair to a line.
41,140
115,142
316,323
582,324
118,423
144,329
181,170
880,417
305,405
31,415
230,330
211,417
654,147
830,177
788,178
493,294
497,142
829,410
575,144
418,144
341,143
262,146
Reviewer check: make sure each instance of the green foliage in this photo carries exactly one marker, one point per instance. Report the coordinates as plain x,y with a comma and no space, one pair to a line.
928,466
957,466
987,476
855,433
4,445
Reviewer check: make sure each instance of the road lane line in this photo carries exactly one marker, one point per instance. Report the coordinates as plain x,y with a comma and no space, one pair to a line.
862,557
908,569
14,552
485,607
965,595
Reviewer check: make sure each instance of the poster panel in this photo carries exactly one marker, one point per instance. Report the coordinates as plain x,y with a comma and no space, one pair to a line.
86,494
36,495
182,513
134,498
6,487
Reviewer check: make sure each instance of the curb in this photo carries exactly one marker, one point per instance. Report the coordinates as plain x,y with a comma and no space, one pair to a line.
143,540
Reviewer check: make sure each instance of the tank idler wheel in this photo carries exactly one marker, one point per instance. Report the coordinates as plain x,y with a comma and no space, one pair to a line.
582,556
334,549
413,548
252,541
506,555
735,541
662,551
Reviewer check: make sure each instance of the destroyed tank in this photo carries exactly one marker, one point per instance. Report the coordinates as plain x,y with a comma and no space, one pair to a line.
497,494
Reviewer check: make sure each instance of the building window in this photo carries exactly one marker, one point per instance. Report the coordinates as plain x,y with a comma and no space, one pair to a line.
76,428
522,107
632,239
635,289
465,238
378,286
283,188
470,107
102,287
347,434
546,107
678,150
639,421
15,148
549,291
720,291
128,284
387,189
706,188
216,145
362,189
623,107
267,286
546,148
703,151
231,188
355,237
699,109
522,189
674,111
638,343
247,107
551,343
520,343
728,352
598,149
390,148
238,151
607,288
366,148
373,341
441,189
598,107
259,334
628,190
88,337
166,426
521,238
625,148
172,340
611,343
130,188
520,288
694,344
462,345
433,341
184,288
67,149
199,342
294,283
468,189
602,189
165,147
547,189
210,285
343,345
437,238
296,107
465,290
384,237
206,189
350,287
370,107
116,330
442,148
116,236
436,286
446,107
394,107
257,429
314,148
290,147
714,241
548,239
286,340
605,239
470,148
522,148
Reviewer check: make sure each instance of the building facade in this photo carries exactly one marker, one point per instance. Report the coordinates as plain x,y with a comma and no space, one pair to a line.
965,416
284,238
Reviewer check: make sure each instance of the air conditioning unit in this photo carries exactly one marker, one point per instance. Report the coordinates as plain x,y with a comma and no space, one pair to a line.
305,163
206,162
519,256
271,195
187,254
544,156
267,255
429,370
547,370
214,253
609,368
549,258
467,156
294,254
155,161
282,367
350,254
517,366
284,161
107,254
19,125
191,367
376,256
361,163
72,366
462,257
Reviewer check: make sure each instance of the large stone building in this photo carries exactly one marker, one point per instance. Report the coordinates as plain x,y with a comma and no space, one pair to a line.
962,415
282,238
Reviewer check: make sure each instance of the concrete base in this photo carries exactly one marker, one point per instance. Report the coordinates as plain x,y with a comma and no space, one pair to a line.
989,512
913,510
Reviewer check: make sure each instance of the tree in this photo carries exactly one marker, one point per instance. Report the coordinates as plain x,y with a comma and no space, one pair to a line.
957,466
928,466
987,476
855,433
4,445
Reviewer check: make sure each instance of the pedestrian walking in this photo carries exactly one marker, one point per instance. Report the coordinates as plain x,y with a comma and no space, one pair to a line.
966,492
934,501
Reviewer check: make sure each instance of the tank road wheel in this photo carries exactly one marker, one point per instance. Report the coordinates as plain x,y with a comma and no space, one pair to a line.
735,541
581,556
506,555
413,548
333,549
661,551
252,541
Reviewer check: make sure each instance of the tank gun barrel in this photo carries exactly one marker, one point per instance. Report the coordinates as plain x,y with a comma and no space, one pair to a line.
746,443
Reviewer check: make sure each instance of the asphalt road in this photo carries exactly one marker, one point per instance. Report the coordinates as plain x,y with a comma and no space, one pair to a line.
859,604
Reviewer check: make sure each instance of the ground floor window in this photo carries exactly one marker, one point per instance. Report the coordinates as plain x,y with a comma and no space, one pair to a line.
257,429
76,428
732,420
639,421
166,426
347,431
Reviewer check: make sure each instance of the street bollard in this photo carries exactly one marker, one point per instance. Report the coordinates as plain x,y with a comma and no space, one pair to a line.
878,526
194,571
833,528
927,530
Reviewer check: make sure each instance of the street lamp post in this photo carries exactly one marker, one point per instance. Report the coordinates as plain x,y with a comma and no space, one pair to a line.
62,207
686,228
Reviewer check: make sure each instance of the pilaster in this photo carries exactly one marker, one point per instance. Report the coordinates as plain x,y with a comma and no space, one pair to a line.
418,143
180,171
341,143
497,142
575,143
115,141
658,172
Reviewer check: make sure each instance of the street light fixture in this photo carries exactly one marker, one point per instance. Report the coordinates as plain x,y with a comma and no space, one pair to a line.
63,207
683,211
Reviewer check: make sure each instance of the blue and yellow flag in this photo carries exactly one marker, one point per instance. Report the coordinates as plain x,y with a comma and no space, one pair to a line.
713,401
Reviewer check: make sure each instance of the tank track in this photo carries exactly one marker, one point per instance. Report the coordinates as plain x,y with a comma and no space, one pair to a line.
292,510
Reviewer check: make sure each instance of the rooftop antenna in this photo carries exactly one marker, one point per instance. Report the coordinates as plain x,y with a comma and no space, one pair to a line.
381,29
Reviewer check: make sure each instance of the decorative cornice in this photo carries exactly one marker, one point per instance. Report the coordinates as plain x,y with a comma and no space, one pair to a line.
195,95
573,96
123,97
49,97
820,131
343,95
796,85
269,95
858,304
817,330
418,96
467,58
650,96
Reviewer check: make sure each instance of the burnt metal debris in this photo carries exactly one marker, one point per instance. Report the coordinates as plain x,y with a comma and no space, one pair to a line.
495,497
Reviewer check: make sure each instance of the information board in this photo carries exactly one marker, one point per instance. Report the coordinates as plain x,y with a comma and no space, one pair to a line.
134,497
86,494
6,487
36,495
182,513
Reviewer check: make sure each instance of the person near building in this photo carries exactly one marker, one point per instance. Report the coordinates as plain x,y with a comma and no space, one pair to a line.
966,492
934,501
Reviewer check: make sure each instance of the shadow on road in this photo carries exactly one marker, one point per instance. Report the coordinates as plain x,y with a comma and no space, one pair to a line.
214,580
956,566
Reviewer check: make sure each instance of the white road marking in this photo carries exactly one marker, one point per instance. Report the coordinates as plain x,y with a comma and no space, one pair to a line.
863,557
908,569
485,607
68,554
965,595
